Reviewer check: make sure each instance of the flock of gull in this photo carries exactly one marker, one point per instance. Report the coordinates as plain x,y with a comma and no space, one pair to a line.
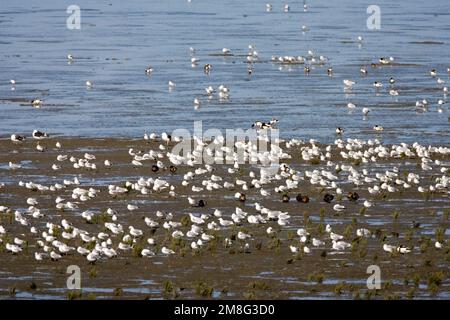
337,175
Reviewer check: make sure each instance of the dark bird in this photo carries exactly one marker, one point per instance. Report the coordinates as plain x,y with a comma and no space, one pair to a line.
328,197
201,203
207,68
173,169
352,196
303,199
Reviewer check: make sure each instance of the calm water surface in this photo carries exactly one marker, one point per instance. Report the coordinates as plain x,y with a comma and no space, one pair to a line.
118,40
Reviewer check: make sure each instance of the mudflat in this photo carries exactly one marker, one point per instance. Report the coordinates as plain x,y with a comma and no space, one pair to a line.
242,260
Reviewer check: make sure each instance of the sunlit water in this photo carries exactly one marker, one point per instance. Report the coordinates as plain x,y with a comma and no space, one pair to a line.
118,41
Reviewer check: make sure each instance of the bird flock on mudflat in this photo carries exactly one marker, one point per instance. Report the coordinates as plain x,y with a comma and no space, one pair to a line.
198,223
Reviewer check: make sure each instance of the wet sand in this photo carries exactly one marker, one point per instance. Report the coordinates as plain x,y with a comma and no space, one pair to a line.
268,270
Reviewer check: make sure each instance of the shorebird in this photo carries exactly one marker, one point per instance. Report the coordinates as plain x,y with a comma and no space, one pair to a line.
92,257
317,242
348,83
328,198
147,253
340,245
40,148
39,256
389,248
17,138
132,207
393,92
377,84
383,60
15,249
362,232
352,196
209,90
39,135
338,207
55,256
226,51
367,204
167,251
225,223
135,232
149,70
378,128
36,103
403,249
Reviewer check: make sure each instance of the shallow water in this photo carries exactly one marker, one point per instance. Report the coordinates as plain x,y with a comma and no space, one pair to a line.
117,41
